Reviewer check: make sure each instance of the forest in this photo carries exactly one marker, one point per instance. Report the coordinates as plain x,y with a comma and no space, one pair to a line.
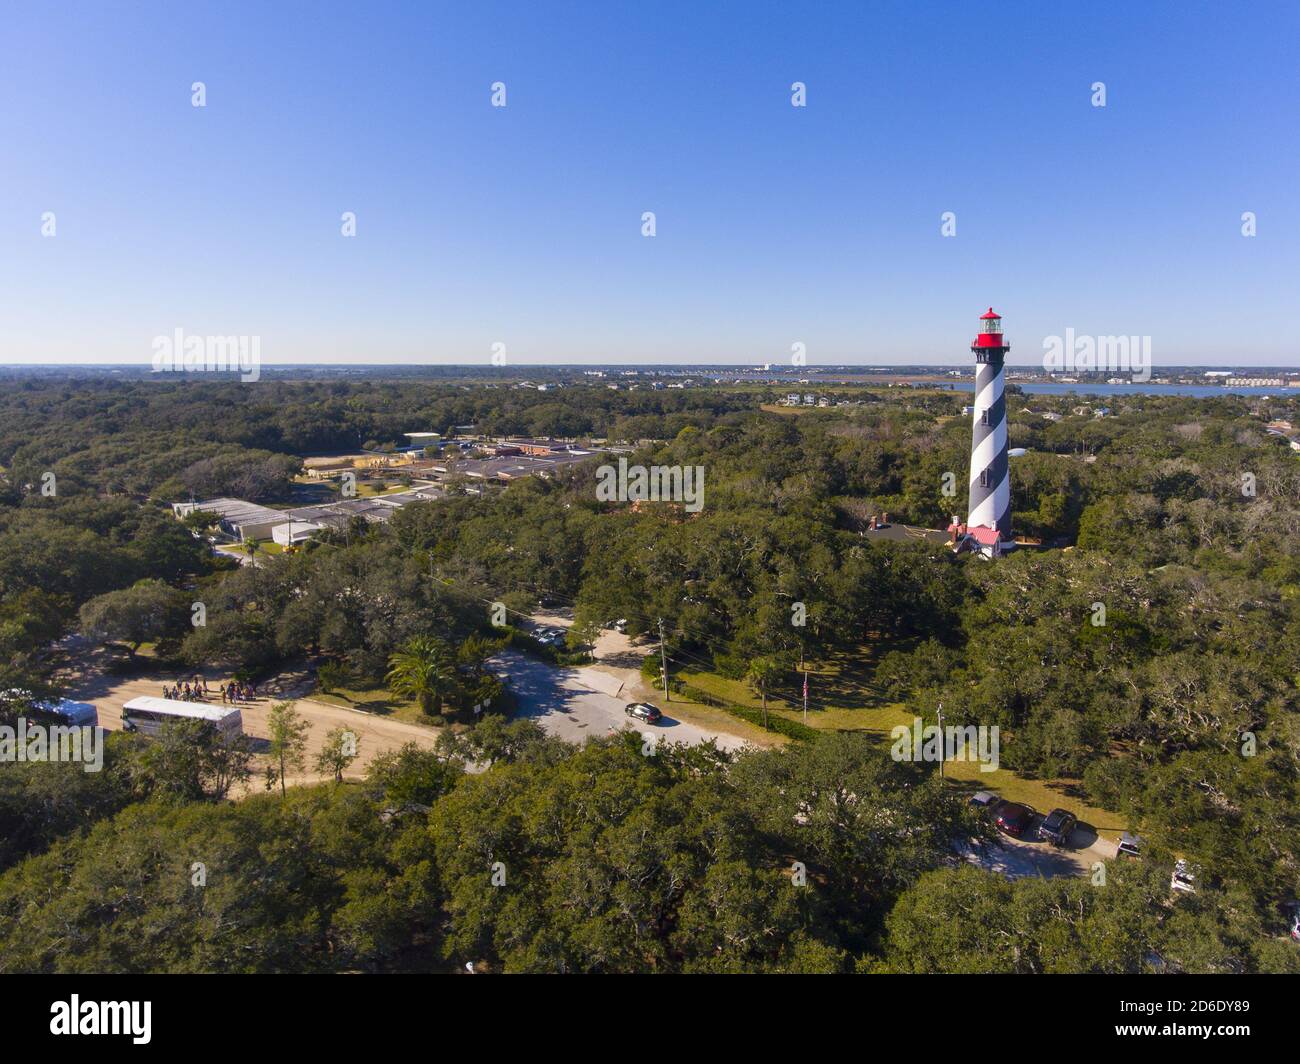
1178,517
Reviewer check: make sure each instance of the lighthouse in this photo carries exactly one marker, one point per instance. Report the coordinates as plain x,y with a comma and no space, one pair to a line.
988,520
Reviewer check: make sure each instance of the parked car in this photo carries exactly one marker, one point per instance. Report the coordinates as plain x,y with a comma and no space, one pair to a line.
644,711
551,637
1184,878
1057,827
1129,846
619,626
1013,818
985,801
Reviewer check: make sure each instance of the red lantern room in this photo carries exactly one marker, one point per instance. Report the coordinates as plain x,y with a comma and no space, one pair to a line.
990,344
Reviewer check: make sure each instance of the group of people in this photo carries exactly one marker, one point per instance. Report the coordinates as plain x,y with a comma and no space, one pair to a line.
238,692
197,691
185,691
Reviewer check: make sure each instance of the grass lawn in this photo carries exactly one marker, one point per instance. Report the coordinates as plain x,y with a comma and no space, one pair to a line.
377,700
711,718
842,698
328,491
365,489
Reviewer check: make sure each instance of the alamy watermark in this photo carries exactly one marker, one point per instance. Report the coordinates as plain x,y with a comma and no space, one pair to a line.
1073,353
30,741
929,742
179,353
624,483
77,1017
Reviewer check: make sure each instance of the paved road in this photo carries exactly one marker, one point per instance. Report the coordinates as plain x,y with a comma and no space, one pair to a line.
241,556
566,704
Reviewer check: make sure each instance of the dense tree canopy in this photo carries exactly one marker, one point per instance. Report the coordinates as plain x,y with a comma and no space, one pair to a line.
1150,652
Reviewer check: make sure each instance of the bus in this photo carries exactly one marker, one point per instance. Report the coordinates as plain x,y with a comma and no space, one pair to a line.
77,714
148,714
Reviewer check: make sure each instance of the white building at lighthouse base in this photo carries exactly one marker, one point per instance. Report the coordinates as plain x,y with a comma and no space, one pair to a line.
978,539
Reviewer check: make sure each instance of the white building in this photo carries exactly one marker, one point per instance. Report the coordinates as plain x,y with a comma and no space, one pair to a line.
293,532
236,517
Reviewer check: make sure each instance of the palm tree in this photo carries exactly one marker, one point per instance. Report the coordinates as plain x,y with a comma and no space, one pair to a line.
422,669
760,676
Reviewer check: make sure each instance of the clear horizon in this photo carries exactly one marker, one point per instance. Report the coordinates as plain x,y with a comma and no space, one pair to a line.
753,366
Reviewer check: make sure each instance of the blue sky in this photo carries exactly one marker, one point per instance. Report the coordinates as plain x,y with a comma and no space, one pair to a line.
775,224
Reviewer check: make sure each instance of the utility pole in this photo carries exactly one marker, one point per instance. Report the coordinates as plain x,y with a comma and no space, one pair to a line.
663,657
943,750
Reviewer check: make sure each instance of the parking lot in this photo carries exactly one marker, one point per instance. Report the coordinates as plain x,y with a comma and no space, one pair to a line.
576,703
1028,856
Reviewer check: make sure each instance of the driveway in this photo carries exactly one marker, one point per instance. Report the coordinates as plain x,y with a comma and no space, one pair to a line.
567,703
241,556
1016,859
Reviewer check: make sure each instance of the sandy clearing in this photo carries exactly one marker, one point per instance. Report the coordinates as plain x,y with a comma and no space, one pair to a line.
375,734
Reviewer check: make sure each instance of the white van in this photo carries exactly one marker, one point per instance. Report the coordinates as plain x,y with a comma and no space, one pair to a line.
148,714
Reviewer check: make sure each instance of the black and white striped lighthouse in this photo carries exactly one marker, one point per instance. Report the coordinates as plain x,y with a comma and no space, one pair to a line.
990,475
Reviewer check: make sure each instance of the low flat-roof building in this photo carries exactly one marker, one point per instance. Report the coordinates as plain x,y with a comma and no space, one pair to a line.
294,532
236,517
424,439
339,513
509,467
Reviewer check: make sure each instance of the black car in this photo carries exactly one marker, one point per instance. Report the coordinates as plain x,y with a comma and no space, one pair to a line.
1057,827
1014,818
644,711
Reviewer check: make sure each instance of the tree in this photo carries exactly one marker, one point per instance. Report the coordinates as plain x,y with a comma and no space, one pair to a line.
192,761
423,670
582,633
201,520
331,675
761,674
495,739
340,750
311,882
412,776
475,650
146,611
288,749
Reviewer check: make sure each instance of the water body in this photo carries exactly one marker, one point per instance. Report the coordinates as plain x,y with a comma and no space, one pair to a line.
1194,390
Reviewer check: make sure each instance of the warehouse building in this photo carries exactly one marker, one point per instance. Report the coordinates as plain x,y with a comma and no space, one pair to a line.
236,517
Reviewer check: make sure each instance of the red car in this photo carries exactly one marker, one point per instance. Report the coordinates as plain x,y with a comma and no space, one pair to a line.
1014,818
